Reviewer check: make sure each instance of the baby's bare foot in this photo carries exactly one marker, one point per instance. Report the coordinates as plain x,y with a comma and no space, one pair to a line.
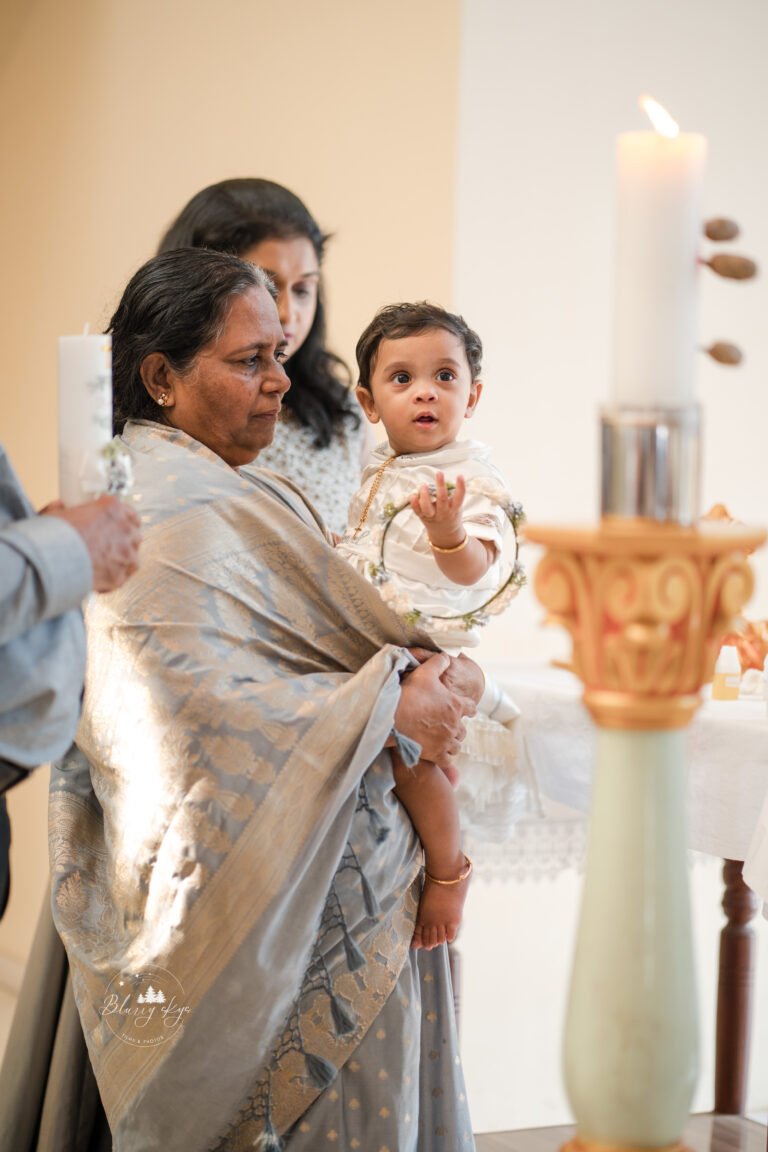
439,916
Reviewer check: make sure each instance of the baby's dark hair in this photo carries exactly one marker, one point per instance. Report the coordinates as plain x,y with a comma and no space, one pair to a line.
396,321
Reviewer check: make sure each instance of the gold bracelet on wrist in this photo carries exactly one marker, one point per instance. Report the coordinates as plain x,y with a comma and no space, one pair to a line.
465,873
455,548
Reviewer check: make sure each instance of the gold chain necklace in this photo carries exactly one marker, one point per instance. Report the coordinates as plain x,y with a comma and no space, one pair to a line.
374,489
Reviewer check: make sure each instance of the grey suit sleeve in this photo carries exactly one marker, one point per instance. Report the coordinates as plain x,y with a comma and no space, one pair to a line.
45,571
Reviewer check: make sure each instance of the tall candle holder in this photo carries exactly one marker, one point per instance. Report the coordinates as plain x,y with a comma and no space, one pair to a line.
646,595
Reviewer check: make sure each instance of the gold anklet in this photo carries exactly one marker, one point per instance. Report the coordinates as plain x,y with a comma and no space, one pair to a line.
468,866
455,548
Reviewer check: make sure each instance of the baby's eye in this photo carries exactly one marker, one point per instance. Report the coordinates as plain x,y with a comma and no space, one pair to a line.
401,378
445,375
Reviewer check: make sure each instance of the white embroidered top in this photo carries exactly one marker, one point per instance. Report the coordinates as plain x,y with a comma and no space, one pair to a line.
407,555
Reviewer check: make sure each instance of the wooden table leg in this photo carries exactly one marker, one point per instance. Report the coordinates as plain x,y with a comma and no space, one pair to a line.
734,992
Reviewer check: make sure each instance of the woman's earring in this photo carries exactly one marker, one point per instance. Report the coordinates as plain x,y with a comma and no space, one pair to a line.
162,399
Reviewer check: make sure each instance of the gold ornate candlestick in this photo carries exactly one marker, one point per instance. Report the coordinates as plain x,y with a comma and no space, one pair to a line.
646,605
646,598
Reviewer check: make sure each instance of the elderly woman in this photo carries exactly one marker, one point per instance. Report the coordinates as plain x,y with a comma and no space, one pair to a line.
234,880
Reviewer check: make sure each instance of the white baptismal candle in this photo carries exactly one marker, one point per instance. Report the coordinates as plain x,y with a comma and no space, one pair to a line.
85,415
659,220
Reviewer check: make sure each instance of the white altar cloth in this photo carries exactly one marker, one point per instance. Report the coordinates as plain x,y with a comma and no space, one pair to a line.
727,777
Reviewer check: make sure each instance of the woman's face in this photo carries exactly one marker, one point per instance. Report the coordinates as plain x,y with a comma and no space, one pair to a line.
294,267
230,397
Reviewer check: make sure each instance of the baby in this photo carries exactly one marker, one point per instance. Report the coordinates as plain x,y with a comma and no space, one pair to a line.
442,504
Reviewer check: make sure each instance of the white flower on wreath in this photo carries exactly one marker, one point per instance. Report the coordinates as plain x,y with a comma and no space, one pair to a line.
506,596
488,488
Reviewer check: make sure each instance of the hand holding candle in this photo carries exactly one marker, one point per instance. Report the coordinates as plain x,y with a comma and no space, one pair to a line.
110,531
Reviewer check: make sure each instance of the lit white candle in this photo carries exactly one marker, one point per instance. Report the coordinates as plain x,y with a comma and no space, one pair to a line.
659,219
85,415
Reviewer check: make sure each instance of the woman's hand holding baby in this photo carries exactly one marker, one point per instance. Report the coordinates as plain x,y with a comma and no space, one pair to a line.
430,712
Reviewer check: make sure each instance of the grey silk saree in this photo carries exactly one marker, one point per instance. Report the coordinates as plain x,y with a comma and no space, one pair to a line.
233,879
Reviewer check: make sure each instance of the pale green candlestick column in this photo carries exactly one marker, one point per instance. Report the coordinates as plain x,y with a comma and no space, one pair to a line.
631,1038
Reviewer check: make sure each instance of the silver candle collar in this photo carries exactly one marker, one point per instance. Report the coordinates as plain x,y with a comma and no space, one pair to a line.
651,463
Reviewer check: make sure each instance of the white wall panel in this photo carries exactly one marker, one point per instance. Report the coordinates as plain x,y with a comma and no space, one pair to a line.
544,89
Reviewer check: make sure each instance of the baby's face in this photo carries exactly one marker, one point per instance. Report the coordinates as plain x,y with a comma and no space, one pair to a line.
421,390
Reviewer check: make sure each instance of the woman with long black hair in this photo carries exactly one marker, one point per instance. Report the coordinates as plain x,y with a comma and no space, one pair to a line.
322,442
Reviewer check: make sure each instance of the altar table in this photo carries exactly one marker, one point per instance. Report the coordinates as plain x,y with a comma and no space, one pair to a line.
727,791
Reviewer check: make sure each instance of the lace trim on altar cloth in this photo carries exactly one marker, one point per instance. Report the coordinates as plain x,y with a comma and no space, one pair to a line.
539,849
542,849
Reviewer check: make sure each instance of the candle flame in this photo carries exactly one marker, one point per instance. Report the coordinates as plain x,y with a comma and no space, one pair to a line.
659,117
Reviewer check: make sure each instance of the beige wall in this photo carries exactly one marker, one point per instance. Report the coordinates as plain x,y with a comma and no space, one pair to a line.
114,112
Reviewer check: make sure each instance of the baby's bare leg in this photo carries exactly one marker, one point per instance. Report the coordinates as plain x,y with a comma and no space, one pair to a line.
427,796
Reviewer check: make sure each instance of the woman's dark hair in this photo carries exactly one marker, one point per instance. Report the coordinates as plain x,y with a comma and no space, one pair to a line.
235,215
175,304
397,321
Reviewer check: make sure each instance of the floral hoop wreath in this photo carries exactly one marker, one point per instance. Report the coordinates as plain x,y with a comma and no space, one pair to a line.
400,603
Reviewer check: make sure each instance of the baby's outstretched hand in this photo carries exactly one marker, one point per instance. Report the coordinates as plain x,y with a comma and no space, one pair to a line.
440,509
